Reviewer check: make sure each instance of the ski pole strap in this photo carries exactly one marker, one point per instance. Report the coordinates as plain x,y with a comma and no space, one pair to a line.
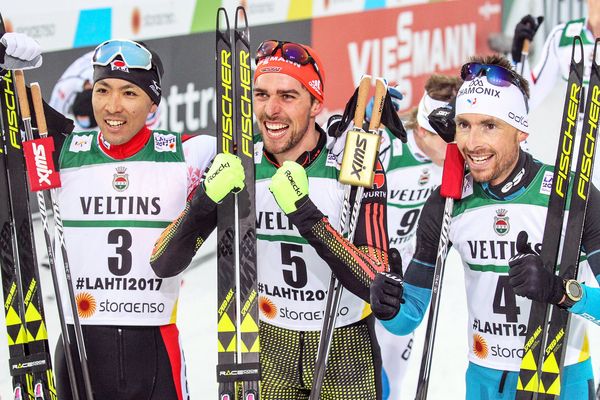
238,372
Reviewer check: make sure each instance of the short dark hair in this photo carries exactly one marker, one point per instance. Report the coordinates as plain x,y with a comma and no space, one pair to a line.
498,59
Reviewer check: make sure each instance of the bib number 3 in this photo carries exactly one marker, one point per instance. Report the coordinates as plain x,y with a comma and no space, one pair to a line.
120,264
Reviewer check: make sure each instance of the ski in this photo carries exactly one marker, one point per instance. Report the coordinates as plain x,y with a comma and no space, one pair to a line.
227,327
11,287
558,330
30,358
249,341
238,344
529,384
450,189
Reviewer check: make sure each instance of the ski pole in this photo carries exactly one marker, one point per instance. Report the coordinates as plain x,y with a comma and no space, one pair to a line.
43,133
348,225
451,189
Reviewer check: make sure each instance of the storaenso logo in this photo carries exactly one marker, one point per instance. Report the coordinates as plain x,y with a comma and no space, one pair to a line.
519,119
567,141
358,158
226,103
131,307
246,102
11,110
290,178
589,145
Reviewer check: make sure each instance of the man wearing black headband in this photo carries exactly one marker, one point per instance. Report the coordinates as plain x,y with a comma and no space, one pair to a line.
504,195
121,186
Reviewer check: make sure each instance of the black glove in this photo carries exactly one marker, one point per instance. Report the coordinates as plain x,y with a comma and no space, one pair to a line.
387,289
525,29
529,278
442,121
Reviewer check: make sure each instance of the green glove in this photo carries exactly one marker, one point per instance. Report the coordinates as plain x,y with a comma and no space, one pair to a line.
225,175
288,185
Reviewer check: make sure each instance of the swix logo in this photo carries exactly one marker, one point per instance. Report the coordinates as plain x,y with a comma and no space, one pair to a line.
119,65
358,159
40,166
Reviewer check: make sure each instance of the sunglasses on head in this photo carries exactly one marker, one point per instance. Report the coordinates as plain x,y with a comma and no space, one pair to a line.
495,74
289,51
133,54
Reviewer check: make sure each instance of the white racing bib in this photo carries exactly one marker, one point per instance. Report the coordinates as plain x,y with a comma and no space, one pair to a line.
113,212
293,278
484,231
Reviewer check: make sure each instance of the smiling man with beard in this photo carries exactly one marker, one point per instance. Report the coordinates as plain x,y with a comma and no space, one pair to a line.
297,186
506,192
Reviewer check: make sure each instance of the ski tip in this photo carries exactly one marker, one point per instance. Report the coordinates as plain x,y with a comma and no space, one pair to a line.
577,41
222,16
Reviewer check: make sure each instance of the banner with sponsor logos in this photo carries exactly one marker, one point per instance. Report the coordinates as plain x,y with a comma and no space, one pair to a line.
403,44
65,24
188,86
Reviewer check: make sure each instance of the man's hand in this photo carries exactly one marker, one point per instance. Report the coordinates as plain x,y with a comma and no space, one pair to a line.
387,289
20,52
529,278
525,29
224,176
289,186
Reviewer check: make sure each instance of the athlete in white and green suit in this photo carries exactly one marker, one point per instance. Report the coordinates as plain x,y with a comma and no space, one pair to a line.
505,192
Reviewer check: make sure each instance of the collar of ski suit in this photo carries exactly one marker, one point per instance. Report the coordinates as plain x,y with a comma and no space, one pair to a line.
125,150
518,180
307,157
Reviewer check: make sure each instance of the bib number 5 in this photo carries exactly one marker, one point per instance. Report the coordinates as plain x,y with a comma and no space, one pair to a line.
296,277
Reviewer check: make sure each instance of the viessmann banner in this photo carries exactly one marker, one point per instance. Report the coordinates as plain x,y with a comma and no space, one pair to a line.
404,44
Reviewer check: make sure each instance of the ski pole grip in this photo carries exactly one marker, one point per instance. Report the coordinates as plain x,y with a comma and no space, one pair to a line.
38,108
525,48
380,92
22,95
362,100
453,173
